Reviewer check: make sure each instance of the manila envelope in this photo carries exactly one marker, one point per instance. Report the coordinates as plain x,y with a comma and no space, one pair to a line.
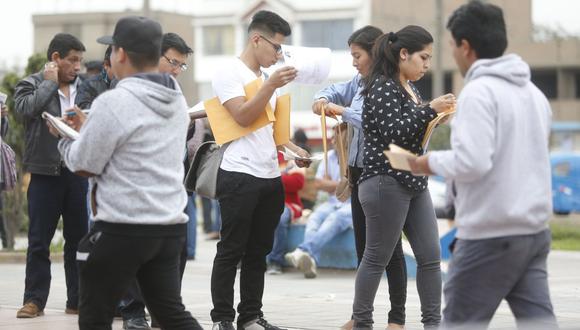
223,125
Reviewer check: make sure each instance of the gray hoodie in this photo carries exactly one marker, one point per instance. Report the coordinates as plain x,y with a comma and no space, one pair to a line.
133,141
499,158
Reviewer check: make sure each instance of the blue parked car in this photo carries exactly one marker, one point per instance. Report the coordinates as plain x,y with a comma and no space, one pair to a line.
566,182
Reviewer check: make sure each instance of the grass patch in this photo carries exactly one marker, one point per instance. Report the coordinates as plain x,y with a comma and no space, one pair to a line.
565,236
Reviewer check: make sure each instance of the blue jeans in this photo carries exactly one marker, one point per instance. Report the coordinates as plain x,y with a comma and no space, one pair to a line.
191,211
280,239
326,222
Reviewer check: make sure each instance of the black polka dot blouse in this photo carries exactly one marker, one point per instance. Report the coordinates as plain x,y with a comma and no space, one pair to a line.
391,116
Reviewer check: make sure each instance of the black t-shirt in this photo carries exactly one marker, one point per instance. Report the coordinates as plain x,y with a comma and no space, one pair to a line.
391,116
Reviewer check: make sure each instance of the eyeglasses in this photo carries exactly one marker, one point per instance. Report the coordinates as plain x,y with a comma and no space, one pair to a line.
176,64
277,47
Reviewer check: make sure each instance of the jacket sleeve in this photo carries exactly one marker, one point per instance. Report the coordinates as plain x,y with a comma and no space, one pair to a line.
100,135
340,93
31,99
472,140
292,182
4,127
86,94
384,102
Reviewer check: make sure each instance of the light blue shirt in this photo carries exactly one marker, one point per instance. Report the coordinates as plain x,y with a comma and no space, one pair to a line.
347,94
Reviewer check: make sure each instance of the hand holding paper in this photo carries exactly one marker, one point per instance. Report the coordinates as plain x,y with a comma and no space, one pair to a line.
59,127
399,158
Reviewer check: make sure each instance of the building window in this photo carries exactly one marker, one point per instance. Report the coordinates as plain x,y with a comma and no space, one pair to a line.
547,82
577,85
329,33
218,40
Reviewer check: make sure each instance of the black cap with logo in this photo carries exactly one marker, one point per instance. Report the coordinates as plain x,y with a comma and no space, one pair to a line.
136,34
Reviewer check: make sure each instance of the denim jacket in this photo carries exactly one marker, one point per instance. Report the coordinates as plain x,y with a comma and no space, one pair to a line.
347,94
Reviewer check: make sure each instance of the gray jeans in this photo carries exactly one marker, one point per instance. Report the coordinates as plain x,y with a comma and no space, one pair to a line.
484,272
389,209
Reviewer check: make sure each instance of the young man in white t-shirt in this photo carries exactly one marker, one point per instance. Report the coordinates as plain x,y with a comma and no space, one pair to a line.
249,188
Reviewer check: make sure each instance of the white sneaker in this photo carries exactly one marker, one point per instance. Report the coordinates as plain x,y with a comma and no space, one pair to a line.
308,265
293,257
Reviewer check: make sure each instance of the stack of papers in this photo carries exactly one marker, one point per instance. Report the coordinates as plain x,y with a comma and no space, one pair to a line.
432,124
63,129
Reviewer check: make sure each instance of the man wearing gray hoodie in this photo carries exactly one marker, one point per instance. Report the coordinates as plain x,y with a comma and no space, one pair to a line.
499,162
132,146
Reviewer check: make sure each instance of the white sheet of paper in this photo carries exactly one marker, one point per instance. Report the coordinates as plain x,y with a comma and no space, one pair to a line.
63,129
312,63
291,155
197,107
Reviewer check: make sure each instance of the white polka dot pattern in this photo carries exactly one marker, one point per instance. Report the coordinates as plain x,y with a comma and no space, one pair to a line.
391,116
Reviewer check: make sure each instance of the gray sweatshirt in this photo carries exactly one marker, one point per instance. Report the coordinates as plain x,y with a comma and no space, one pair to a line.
499,159
133,141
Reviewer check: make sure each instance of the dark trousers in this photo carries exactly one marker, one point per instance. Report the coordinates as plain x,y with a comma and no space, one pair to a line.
483,272
133,305
109,262
251,209
396,268
49,198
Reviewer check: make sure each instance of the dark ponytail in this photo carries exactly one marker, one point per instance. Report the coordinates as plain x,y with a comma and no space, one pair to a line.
386,52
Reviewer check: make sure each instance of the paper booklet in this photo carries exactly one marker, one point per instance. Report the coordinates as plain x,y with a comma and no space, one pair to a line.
63,129
432,124
399,157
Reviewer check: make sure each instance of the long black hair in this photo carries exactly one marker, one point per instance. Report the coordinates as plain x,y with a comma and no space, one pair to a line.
387,48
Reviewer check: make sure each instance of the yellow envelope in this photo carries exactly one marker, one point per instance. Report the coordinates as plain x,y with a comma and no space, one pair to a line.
223,125
282,123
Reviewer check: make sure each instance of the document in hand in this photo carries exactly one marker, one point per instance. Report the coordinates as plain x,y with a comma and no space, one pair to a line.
290,155
445,115
399,157
312,63
63,129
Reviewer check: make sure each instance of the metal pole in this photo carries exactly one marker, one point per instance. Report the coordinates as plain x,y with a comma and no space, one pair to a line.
438,75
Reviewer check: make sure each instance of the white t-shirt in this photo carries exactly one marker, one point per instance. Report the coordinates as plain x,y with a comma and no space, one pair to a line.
255,153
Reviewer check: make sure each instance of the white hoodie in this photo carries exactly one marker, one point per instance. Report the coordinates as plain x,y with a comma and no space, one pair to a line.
499,159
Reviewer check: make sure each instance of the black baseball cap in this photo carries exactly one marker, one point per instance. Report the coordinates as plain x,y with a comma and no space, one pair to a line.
136,34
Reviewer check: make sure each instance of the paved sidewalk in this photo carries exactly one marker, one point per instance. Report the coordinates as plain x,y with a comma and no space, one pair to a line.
289,299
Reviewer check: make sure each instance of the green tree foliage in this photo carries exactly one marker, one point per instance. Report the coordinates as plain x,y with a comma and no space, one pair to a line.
15,203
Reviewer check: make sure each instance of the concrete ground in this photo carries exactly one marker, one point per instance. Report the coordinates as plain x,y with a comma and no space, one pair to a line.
289,300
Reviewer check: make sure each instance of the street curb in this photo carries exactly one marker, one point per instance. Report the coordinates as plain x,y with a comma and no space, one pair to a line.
12,257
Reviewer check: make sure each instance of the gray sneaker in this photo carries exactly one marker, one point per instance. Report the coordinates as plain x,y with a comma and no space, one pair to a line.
259,324
274,269
307,265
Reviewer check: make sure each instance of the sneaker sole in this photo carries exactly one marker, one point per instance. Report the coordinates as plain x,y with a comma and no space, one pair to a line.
307,266
28,316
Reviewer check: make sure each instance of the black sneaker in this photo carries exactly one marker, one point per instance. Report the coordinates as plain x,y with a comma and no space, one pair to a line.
136,323
223,325
259,324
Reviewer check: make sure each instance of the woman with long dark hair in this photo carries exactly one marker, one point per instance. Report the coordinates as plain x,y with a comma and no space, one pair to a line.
344,99
395,201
